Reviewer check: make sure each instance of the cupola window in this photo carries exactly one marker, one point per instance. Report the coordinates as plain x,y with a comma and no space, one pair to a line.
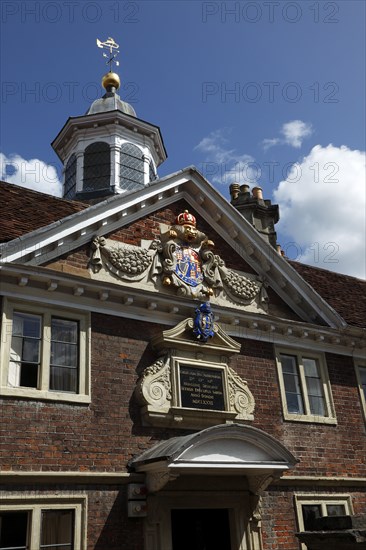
131,167
70,178
97,167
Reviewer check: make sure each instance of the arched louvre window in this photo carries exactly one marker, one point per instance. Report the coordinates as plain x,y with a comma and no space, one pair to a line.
97,167
152,174
131,167
70,178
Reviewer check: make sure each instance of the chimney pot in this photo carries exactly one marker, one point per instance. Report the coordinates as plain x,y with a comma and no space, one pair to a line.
257,193
234,190
245,188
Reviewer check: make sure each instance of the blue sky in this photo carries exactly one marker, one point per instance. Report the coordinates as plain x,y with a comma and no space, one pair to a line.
264,92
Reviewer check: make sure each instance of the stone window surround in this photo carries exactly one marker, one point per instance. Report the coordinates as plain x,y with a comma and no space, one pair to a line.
322,500
23,502
83,396
358,366
328,399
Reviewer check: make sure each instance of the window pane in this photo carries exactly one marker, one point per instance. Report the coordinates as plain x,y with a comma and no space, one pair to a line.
292,385
64,379
289,364
317,406
64,355
57,529
25,324
314,387
336,510
31,350
310,512
29,375
25,350
64,330
97,167
131,167
310,367
70,178
14,530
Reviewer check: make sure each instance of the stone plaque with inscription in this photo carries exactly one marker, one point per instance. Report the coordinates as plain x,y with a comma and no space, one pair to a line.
201,388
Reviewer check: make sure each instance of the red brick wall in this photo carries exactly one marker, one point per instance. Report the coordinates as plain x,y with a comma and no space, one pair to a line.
105,435
56,436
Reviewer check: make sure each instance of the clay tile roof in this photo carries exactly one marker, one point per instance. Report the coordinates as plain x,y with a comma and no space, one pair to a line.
345,294
24,210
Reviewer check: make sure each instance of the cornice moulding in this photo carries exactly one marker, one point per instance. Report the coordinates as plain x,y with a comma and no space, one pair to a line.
34,284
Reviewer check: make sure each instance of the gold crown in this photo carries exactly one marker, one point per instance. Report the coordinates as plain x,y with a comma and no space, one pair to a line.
185,218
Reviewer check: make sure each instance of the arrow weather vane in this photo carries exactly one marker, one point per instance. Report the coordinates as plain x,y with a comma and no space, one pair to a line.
112,46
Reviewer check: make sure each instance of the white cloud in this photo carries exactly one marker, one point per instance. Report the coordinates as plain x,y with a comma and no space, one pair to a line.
270,142
294,133
323,209
223,165
33,174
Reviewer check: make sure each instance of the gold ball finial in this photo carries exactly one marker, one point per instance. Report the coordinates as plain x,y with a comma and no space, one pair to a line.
111,80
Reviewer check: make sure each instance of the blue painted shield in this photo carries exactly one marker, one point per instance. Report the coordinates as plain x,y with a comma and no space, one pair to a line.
188,267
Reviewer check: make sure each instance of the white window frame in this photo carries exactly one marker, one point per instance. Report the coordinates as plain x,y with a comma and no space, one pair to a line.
36,504
359,364
322,500
43,392
330,417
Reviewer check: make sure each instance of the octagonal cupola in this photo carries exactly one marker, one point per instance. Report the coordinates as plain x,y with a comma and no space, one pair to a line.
109,150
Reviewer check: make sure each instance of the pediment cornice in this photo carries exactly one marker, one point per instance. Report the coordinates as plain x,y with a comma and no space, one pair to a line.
59,238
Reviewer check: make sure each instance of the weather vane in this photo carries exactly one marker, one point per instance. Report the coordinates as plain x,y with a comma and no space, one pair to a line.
112,46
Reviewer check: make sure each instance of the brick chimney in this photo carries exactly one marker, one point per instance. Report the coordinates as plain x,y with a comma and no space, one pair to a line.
262,214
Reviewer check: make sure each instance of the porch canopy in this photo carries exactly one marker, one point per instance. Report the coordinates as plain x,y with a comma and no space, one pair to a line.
227,449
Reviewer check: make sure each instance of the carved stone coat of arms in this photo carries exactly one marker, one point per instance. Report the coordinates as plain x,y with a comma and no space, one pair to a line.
181,261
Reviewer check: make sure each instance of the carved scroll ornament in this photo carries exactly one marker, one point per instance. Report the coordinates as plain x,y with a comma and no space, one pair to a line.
154,387
241,398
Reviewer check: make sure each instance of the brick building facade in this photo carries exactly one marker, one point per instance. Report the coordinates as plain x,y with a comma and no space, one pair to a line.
130,418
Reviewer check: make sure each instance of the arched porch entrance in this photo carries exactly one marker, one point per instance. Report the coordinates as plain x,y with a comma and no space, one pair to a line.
204,488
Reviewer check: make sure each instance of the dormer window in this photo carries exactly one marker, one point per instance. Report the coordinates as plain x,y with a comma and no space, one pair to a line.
131,167
70,178
97,167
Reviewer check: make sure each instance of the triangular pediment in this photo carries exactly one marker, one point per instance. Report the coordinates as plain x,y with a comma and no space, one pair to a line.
46,245
182,337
